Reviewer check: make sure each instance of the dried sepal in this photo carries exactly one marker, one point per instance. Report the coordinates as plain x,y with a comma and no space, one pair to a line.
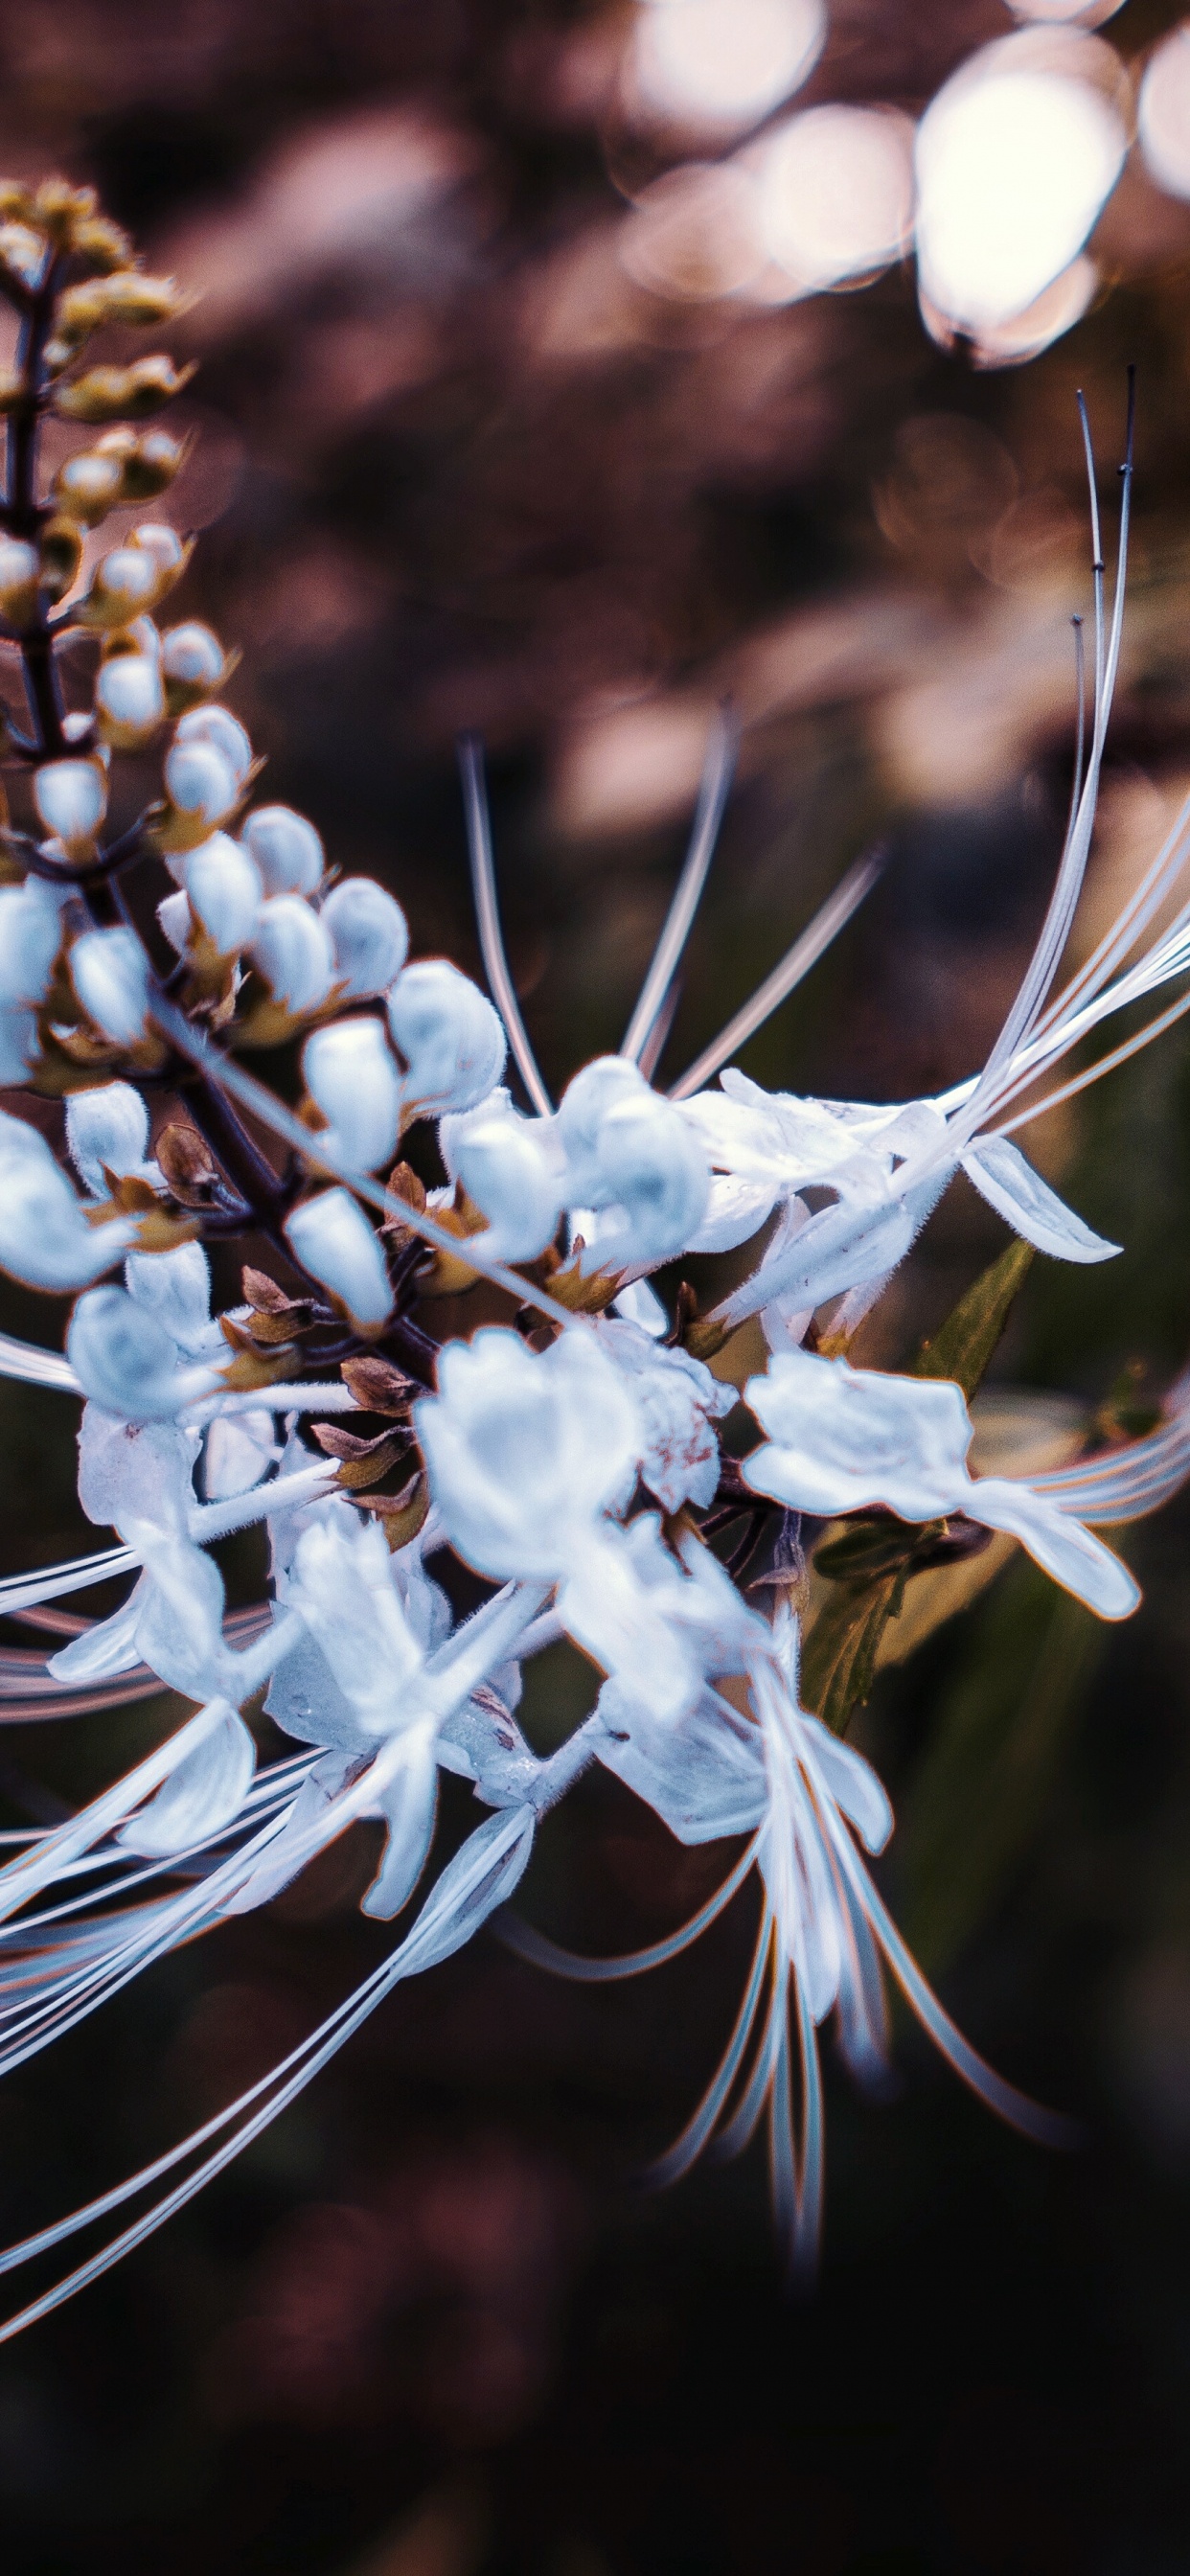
361,1462
377,1386
401,1515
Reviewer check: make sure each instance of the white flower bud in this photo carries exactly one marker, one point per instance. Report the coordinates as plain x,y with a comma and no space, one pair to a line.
351,1076
175,1288
293,953
335,1243
123,584
371,937
214,725
176,921
581,1111
20,572
193,655
224,886
286,848
126,1362
71,799
87,486
498,1157
451,1038
129,700
656,1171
110,974
106,1127
163,546
45,1238
30,937
18,1043
200,782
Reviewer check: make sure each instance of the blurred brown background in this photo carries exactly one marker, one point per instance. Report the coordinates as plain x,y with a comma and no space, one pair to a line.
459,465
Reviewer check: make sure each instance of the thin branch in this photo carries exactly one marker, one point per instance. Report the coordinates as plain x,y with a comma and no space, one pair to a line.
811,944
714,790
487,913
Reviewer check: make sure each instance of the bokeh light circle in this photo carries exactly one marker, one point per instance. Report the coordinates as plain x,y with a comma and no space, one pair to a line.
1164,114
720,65
836,193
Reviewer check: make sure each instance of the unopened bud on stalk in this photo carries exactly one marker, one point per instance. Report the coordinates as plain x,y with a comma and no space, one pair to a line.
88,485
45,1238
16,201
335,1243
100,243
150,459
22,254
351,1077
449,1035
12,389
126,1361
71,799
106,1129
291,950
109,972
117,393
124,296
202,789
193,665
286,848
58,207
129,700
124,585
165,548
215,727
498,1158
60,550
20,571
371,937
225,891
30,937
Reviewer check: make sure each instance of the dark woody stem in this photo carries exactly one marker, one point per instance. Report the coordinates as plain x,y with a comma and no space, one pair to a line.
24,515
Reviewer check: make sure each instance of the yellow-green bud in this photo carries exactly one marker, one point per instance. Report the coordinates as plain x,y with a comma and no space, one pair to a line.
101,243
19,574
12,387
88,485
151,468
57,208
15,201
22,254
122,393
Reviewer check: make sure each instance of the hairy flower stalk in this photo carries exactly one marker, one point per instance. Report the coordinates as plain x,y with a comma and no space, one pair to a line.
571,1456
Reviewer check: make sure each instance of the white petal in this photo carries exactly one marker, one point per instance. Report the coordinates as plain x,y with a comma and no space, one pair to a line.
1010,1185
107,1127
200,1797
370,935
1072,1554
335,1243
286,848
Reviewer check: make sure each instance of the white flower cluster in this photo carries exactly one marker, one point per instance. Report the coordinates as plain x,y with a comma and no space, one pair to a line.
577,1456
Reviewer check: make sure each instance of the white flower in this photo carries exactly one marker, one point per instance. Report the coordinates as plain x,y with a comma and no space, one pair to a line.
175,1287
286,848
335,1243
679,1403
71,799
843,1438
526,1450
502,1163
224,885
351,1076
106,1129
632,1154
192,654
110,974
449,1035
370,935
291,949
127,1362
45,1238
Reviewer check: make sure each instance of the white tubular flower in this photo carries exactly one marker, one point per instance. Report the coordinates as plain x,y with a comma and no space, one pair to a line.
292,951
287,849
498,1157
30,937
449,1035
110,974
129,700
200,782
71,799
844,1438
526,1450
45,1238
335,1243
175,1288
106,1129
127,1362
224,886
351,1076
371,937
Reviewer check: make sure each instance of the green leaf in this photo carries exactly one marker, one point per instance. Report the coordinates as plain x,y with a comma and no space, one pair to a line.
839,1655
963,1345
